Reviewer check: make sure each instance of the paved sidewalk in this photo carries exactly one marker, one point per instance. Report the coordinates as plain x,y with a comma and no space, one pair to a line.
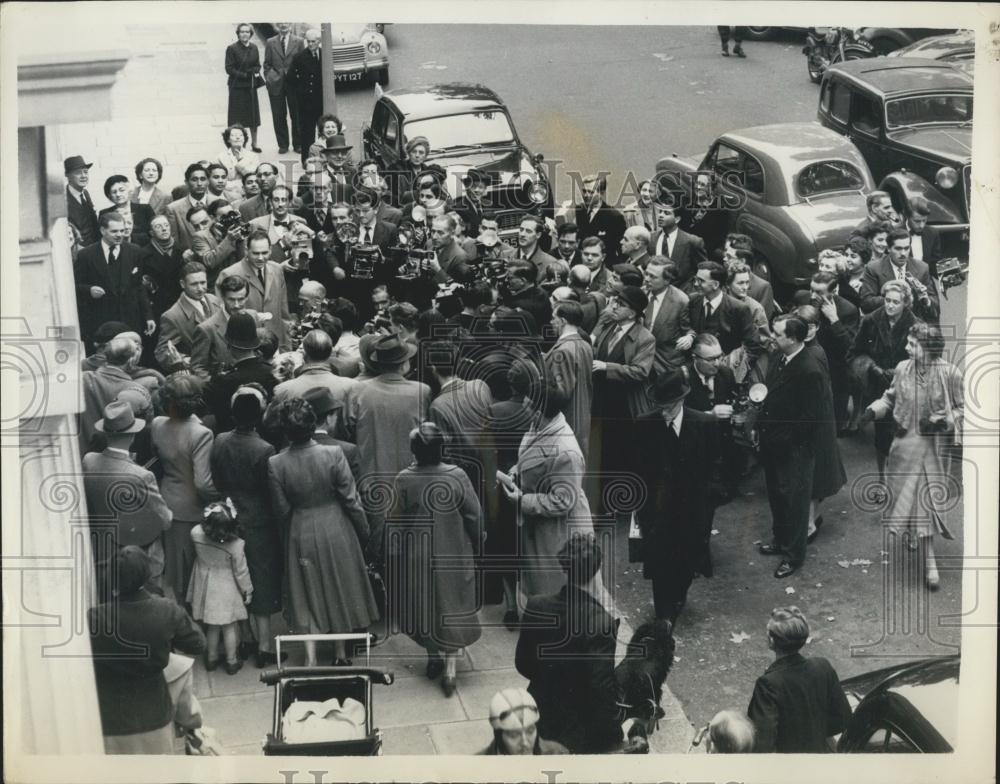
414,715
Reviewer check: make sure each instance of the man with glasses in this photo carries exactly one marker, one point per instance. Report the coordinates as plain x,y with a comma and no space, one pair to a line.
260,205
281,225
595,218
713,310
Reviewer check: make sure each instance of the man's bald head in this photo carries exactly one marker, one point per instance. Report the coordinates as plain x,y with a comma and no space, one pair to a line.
317,346
579,275
312,290
638,234
120,350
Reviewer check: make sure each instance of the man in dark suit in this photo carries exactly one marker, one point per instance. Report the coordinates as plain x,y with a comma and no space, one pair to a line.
209,351
714,311
566,650
260,205
278,53
179,322
787,425
925,242
709,216
470,205
343,176
593,254
528,250
666,315
686,250
899,265
798,704
371,230
838,328
304,80
243,342
596,219
450,262
108,283
568,244
196,178
524,293
679,446
79,205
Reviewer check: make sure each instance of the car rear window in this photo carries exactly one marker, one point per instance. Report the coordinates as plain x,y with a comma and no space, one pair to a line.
828,177
460,130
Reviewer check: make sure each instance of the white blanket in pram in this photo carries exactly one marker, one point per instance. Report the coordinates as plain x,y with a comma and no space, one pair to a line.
322,722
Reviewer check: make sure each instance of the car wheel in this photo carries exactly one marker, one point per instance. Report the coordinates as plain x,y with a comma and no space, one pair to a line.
757,33
858,53
383,76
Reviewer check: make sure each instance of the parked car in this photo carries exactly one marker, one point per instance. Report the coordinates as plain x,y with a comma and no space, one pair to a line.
358,49
904,709
888,39
912,120
468,126
794,188
957,49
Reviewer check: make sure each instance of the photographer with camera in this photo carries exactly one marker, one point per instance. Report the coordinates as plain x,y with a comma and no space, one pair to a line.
899,265
222,241
371,230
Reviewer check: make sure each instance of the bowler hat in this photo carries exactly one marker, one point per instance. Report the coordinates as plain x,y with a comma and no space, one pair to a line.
390,350
669,386
337,142
476,175
74,162
322,401
118,418
634,297
241,332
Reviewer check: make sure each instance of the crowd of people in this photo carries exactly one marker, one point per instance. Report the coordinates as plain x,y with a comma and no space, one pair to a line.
308,383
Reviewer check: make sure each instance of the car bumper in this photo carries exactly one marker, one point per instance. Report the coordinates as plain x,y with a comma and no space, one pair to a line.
362,68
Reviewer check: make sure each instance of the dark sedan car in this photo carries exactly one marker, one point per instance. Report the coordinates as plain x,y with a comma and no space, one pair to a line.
904,709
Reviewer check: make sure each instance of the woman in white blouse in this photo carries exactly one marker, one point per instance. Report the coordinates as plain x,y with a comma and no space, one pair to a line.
149,172
238,159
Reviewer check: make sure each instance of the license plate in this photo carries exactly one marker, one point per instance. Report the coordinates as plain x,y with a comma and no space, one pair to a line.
349,77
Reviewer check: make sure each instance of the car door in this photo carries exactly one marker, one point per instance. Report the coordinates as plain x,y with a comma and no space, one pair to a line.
867,130
835,103
382,139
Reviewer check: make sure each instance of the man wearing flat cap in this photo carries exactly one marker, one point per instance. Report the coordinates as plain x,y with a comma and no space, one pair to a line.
79,206
623,358
679,446
123,501
380,415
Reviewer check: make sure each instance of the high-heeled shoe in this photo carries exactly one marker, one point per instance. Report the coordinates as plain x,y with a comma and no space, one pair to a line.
256,149
931,576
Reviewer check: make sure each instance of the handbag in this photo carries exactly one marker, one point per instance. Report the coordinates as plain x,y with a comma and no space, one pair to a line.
258,81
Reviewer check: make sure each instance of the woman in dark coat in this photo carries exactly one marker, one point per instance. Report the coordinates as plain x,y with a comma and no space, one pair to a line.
239,469
243,67
137,216
315,498
131,638
160,267
829,474
438,607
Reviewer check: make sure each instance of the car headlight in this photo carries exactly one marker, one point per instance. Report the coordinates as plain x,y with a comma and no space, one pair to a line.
374,47
539,193
946,177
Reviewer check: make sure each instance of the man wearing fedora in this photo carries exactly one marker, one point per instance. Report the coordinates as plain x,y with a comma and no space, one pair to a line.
337,155
330,423
624,351
679,446
103,384
123,501
79,206
304,80
381,414
248,367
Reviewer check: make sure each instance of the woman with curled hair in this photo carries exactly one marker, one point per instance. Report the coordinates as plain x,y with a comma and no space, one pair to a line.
857,253
798,704
243,68
436,514
238,159
137,216
183,445
327,126
927,405
642,211
325,529
148,173
877,235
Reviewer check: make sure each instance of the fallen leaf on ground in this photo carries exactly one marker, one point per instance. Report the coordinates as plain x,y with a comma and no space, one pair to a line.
789,589
819,585
843,564
861,562
831,618
738,638
715,532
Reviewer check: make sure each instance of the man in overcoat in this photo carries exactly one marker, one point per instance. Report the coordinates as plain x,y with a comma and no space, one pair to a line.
569,365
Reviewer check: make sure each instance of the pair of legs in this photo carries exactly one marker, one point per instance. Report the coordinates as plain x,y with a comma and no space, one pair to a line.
283,108
339,652
229,641
737,35
446,665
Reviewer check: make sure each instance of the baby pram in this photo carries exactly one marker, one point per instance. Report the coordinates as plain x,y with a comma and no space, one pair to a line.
294,684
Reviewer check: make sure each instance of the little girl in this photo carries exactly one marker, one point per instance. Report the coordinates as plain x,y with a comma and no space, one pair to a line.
220,586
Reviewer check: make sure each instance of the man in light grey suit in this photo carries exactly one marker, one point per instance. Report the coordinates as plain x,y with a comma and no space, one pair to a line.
123,502
666,315
266,279
178,323
209,351
196,179
569,365
278,53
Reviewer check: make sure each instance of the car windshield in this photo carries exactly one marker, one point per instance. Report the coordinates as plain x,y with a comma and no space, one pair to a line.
462,130
828,177
921,109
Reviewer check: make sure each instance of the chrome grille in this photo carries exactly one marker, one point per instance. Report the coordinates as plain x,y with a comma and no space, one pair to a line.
347,55
509,219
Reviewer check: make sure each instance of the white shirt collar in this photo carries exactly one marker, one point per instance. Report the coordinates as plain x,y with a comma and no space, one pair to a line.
450,383
120,451
77,194
194,201
790,357
707,381
107,248
716,300
677,421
